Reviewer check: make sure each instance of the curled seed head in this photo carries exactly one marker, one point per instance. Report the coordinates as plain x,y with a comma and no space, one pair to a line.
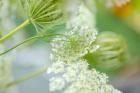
44,12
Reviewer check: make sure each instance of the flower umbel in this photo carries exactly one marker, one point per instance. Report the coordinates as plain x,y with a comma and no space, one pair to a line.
119,3
79,40
78,78
5,71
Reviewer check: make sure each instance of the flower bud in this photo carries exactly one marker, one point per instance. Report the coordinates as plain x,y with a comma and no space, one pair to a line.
112,52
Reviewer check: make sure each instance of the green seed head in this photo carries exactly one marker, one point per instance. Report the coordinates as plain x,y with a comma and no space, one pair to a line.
44,12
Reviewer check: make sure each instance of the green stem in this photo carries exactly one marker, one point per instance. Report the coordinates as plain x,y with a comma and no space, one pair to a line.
21,43
25,23
26,41
26,77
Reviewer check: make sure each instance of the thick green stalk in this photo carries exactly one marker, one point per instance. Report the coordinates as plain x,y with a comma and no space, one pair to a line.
11,33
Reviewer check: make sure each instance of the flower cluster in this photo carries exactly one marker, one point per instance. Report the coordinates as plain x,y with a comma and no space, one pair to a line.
5,71
80,38
119,3
77,78
70,73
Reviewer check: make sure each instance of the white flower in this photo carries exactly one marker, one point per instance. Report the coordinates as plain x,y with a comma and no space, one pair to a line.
4,66
70,74
75,75
79,40
57,68
56,84
119,3
5,70
78,78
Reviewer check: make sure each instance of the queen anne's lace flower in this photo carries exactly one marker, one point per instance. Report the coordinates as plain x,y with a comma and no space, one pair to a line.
110,3
78,78
4,66
56,84
79,40
5,71
57,68
69,73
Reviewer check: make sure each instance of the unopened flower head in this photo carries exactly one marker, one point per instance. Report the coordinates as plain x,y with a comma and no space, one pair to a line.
44,12
77,78
112,53
80,38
